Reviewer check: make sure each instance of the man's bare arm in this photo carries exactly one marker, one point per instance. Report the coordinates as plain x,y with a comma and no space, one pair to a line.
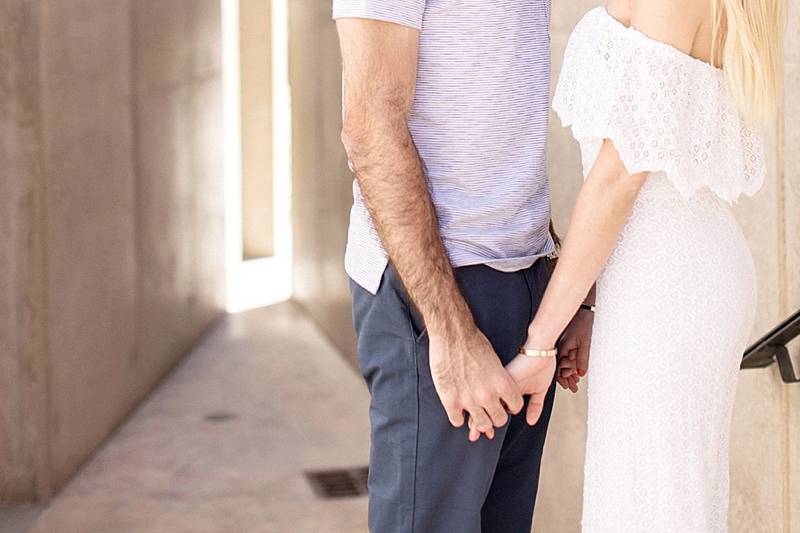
380,62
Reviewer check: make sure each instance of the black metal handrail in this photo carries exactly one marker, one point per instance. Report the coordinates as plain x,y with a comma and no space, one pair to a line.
772,348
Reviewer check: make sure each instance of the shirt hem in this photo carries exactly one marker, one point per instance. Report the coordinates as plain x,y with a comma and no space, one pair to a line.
372,284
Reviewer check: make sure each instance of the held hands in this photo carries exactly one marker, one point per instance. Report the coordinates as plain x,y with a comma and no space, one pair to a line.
468,376
533,375
573,350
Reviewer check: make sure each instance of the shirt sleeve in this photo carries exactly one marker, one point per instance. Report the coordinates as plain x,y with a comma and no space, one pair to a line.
404,12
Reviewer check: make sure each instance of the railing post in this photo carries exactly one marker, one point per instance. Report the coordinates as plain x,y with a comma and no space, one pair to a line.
785,364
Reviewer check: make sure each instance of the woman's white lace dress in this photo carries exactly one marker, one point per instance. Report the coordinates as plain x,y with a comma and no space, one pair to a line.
675,303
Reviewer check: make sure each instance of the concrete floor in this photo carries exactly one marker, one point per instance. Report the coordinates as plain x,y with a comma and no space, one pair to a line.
222,445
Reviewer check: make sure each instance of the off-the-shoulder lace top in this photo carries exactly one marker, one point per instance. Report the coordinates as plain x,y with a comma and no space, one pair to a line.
664,110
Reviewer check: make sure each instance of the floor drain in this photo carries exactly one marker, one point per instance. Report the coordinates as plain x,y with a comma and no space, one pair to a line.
220,417
342,483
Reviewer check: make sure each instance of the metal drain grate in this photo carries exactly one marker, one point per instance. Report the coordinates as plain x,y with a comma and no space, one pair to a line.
342,483
221,416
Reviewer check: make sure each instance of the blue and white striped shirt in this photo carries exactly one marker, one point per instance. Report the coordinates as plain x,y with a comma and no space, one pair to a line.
479,122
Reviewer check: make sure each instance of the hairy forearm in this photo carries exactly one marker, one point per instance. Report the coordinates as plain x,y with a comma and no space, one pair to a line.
603,207
394,188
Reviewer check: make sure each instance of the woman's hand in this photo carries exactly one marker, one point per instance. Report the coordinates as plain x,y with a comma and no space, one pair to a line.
533,376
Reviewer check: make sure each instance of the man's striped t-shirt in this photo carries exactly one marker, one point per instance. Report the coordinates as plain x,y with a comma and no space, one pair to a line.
479,122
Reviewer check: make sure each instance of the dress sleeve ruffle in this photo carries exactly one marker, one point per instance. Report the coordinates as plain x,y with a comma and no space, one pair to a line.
663,110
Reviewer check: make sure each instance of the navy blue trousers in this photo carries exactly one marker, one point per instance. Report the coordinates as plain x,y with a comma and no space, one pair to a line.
425,476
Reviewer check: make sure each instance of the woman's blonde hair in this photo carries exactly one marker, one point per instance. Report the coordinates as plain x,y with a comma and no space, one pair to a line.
748,45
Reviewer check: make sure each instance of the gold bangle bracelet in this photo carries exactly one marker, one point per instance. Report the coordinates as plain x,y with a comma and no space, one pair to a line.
538,353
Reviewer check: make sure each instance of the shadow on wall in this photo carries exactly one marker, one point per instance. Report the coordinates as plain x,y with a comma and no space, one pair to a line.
322,183
111,218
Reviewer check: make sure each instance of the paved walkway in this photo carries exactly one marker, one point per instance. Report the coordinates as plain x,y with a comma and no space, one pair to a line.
222,445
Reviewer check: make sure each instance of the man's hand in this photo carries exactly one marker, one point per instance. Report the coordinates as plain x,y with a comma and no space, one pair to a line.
468,376
573,350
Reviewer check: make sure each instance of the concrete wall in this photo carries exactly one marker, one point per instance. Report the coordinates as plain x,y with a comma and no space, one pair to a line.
111,217
255,54
321,184
22,341
765,494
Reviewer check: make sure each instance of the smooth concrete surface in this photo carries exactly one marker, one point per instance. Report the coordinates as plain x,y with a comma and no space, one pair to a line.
322,184
23,375
90,221
255,58
19,519
284,402
113,130
791,213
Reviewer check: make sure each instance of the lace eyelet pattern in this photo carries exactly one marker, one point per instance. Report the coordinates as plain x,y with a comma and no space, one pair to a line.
664,110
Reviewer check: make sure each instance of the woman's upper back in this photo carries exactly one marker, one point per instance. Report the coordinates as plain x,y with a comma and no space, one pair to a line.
665,110
746,39
685,24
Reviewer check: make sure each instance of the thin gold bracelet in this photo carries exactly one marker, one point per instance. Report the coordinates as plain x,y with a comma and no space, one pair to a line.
538,353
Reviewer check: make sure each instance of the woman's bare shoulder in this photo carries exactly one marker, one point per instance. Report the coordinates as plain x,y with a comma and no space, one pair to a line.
675,22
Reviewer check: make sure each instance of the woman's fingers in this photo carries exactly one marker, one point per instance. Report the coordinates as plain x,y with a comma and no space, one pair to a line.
535,407
474,434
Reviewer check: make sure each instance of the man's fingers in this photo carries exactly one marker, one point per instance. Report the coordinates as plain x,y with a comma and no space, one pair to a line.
514,402
480,419
498,414
474,434
567,367
535,407
511,396
454,413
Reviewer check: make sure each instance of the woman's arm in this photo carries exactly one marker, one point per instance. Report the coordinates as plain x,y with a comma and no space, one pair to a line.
604,204
603,207
601,211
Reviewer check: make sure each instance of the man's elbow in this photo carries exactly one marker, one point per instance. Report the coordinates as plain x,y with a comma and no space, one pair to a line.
365,130
355,135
